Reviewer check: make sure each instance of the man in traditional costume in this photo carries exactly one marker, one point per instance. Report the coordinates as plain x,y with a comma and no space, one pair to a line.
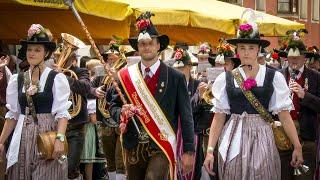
182,62
110,128
304,84
159,99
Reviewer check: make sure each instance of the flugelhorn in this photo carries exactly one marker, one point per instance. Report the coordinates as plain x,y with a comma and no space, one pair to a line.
70,44
207,95
107,82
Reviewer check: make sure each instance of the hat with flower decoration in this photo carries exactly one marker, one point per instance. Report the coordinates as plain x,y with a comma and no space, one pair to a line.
226,50
205,50
37,34
248,33
293,45
275,56
147,31
114,44
181,58
313,54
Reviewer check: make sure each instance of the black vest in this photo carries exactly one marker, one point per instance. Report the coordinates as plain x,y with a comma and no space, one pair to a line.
42,101
239,103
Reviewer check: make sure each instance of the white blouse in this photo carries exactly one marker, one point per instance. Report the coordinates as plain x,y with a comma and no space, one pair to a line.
60,91
91,106
8,73
280,99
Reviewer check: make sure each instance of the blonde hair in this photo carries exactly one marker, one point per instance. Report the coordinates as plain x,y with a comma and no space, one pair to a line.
91,64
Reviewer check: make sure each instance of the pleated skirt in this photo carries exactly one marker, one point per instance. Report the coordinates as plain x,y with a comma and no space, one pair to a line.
90,146
258,157
30,165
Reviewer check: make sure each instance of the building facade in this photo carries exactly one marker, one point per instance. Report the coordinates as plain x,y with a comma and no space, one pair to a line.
303,11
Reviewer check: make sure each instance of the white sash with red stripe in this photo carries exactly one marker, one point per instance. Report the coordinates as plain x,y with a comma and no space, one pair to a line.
151,117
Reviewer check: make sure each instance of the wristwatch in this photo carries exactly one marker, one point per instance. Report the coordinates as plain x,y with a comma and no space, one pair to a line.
210,149
60,137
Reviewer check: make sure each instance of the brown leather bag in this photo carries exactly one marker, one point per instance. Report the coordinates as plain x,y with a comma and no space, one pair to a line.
45,143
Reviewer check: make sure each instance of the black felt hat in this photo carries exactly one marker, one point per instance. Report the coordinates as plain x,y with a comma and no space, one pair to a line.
147,30
38,35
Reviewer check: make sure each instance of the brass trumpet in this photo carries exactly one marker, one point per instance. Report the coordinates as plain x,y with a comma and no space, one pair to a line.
70,44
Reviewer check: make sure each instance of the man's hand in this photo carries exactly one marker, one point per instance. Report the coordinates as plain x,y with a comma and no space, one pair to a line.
202,88
187,162
93,118
128,111
296,88
100,93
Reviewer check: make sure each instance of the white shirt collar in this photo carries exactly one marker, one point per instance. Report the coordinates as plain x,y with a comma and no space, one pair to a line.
300,70
153,68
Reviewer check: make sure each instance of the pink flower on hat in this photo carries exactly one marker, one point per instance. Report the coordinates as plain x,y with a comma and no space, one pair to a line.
34,29
245,27
249,83
245,30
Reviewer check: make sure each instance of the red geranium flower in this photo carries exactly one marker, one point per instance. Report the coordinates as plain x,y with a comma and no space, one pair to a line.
275,56
143,23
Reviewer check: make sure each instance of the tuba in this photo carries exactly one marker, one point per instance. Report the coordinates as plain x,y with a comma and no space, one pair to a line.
103,105
70,44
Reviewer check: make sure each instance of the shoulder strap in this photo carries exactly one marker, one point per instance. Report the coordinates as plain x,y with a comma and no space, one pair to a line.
20,80
269,76
29,98
50,80
252,98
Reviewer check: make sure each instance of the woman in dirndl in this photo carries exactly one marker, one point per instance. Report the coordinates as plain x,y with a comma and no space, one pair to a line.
247,148
90,153
49,92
